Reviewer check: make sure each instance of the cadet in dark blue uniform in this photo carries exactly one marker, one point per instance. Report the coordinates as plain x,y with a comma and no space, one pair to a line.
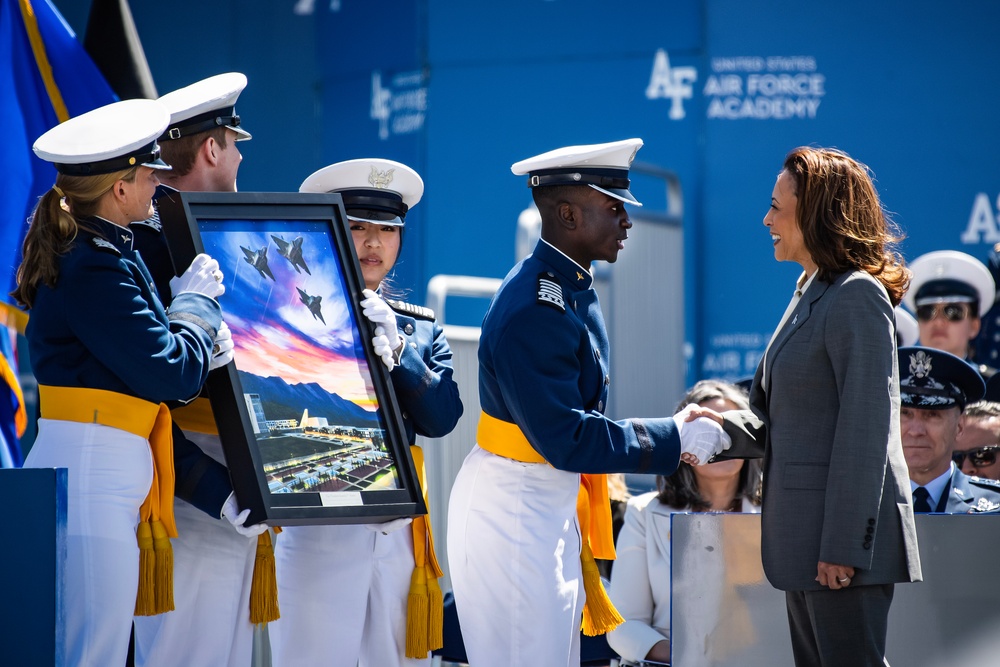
518,549
934,388
950,292
106,355
344,589
214,557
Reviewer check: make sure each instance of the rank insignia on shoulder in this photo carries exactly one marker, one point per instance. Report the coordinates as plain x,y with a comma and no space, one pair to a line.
153,223
410,309
985,505
107,246
550,292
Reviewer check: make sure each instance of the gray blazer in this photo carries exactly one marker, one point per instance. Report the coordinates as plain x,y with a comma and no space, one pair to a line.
836,486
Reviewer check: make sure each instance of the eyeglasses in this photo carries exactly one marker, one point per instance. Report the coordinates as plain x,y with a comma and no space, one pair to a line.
979,458
953,312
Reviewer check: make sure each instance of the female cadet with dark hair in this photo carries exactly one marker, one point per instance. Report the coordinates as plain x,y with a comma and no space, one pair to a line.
837,520
106,355
640,581
368,595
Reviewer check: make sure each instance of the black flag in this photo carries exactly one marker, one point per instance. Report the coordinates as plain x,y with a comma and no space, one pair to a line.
113,43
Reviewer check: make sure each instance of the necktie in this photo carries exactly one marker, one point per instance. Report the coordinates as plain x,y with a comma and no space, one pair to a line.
920,500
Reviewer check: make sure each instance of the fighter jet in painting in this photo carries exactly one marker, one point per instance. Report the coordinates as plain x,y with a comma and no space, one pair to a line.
292,252
313,303
258,260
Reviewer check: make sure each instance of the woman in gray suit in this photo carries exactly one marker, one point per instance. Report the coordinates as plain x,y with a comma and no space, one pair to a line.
837,521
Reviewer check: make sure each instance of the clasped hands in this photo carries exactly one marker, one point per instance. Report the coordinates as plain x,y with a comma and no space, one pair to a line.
701,434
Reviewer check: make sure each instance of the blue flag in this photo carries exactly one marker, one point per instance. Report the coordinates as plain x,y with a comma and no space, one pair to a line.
45,78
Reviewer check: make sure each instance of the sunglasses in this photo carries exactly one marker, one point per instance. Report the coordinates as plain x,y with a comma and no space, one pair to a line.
953,312
979,458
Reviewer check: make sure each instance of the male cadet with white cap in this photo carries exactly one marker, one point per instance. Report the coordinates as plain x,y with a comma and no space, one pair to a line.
345,590
949,292
214,557
521,557
934,388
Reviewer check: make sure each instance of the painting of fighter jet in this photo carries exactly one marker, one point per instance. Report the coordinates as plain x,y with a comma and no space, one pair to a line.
313,303
258,260
292,252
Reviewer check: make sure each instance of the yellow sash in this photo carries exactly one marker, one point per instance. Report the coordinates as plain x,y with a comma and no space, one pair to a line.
425,603
147,420
197,417
593,511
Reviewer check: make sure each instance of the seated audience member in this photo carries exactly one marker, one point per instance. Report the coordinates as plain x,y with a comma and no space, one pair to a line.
978,442
949,292
640,582
934,388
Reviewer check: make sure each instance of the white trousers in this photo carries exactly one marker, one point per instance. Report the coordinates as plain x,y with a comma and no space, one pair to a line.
110,472
514,556
342,592
213,569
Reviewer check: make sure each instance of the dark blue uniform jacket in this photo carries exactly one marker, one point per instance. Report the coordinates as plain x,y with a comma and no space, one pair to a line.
543,365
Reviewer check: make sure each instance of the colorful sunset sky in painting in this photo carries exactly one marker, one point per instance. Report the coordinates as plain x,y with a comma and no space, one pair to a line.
274,332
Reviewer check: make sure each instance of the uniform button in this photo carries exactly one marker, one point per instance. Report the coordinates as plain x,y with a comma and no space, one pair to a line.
871,522
600,406
405,415
607,380
870,530
868,538
408,329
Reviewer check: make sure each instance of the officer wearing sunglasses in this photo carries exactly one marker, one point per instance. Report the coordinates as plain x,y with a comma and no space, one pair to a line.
949,293
934,388
978,444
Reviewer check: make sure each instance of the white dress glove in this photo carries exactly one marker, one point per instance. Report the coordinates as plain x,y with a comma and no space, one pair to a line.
386,340
203,277
231,512
222,351
702,438
390,526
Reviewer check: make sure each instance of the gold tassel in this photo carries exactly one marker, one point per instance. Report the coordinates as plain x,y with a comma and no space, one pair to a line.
145,597
416,615
599,614
264,587
164,598
435,610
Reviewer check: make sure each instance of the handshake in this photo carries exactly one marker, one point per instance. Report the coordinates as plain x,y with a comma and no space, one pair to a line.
701,437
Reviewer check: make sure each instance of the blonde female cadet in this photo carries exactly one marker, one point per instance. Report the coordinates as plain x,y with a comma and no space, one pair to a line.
106,355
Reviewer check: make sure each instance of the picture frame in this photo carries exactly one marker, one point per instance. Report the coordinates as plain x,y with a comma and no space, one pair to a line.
307,417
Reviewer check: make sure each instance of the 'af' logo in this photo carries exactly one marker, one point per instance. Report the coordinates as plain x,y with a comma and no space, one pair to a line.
380,105
674,83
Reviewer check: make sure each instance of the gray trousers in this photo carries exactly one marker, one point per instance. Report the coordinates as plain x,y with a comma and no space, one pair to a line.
839,628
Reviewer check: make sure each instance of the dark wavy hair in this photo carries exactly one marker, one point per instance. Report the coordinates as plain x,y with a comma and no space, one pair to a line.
681,488
842,220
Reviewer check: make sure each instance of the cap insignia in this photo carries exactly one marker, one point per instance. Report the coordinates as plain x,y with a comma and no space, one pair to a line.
380,179
920,364
550,292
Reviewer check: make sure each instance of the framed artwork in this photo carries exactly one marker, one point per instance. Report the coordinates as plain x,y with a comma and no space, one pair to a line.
306,414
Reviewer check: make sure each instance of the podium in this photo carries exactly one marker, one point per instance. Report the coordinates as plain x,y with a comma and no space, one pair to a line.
33,511
724,613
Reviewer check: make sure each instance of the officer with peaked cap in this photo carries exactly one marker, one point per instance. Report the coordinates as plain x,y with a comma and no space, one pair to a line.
361,575
949,292
214,558
106,355
934,388
515,550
